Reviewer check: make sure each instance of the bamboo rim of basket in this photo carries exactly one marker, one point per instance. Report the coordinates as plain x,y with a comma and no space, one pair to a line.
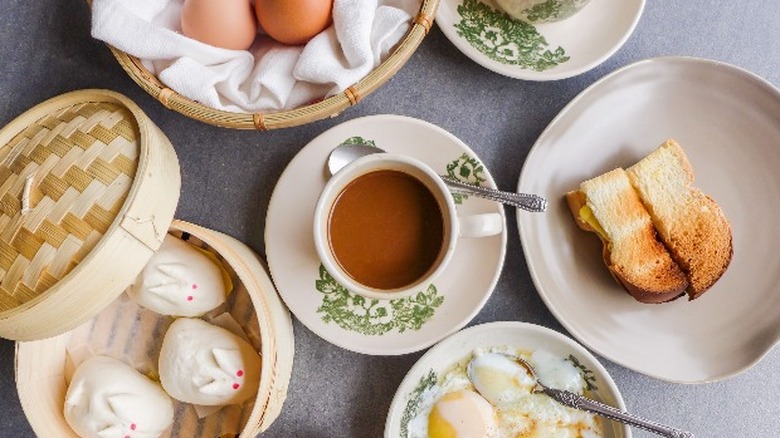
264,121
39,362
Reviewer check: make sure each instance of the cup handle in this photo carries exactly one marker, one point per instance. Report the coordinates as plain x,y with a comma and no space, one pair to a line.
480,225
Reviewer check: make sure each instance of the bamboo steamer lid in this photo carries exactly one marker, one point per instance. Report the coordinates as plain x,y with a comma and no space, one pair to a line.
41,366
88,189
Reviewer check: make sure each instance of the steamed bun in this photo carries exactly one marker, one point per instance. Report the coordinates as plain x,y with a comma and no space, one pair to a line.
203,364
179,280
110,399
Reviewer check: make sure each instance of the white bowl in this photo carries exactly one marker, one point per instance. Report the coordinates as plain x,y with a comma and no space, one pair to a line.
497,334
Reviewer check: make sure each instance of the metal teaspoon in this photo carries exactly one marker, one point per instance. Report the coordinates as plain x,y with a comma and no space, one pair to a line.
346,153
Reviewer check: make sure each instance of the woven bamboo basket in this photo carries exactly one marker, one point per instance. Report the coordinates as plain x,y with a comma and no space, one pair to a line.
44,367
330,107
88,180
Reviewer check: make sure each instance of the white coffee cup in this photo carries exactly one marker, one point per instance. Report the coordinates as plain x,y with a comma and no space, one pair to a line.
453,226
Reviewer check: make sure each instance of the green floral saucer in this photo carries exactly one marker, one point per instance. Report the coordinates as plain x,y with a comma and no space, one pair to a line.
538,51
380,327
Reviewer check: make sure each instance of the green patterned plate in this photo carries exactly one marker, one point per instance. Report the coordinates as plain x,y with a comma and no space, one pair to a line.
371,326
539,52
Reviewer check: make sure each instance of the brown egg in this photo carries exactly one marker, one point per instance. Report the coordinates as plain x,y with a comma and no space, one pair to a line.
229,24
293,21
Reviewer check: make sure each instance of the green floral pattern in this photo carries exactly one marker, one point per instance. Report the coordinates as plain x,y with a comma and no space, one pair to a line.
415,398
553,10
374,317
359,140
468,170
506,40
587,374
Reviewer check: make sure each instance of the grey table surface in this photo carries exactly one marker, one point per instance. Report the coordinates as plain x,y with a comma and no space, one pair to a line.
228,177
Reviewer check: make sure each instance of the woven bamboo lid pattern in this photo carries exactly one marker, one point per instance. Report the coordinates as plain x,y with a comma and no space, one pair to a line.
73,170
330,107
86,156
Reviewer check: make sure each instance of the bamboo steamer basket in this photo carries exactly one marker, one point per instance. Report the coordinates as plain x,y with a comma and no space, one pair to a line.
88,190
263,121
42,367
87,180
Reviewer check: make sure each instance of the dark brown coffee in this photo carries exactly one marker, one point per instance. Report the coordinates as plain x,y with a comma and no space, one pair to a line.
386,229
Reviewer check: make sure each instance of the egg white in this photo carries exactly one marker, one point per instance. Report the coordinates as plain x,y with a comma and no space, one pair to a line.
454,380
519,411
557,372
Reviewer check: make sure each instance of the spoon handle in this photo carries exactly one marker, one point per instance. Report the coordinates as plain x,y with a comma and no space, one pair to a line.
532,203
577,401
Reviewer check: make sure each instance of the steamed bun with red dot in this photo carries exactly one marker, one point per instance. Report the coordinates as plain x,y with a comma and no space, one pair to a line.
207,365
179,280
107,398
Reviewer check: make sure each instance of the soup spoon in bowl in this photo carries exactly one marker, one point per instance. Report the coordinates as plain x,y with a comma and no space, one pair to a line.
345,153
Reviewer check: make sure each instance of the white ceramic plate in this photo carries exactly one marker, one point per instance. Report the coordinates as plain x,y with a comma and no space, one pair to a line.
728,122
459,346
369,326
550,51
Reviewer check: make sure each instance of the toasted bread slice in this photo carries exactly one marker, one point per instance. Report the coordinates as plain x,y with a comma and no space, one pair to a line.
690,223
609,206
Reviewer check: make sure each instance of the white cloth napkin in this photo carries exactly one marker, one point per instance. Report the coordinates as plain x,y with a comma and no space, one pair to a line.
268,76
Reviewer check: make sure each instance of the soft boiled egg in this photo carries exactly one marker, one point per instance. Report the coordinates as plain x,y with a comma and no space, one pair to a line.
490,395
499,378
557,372
520,411
462,414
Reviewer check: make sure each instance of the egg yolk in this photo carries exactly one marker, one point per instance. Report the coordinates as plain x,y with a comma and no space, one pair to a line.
461,414
438,427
